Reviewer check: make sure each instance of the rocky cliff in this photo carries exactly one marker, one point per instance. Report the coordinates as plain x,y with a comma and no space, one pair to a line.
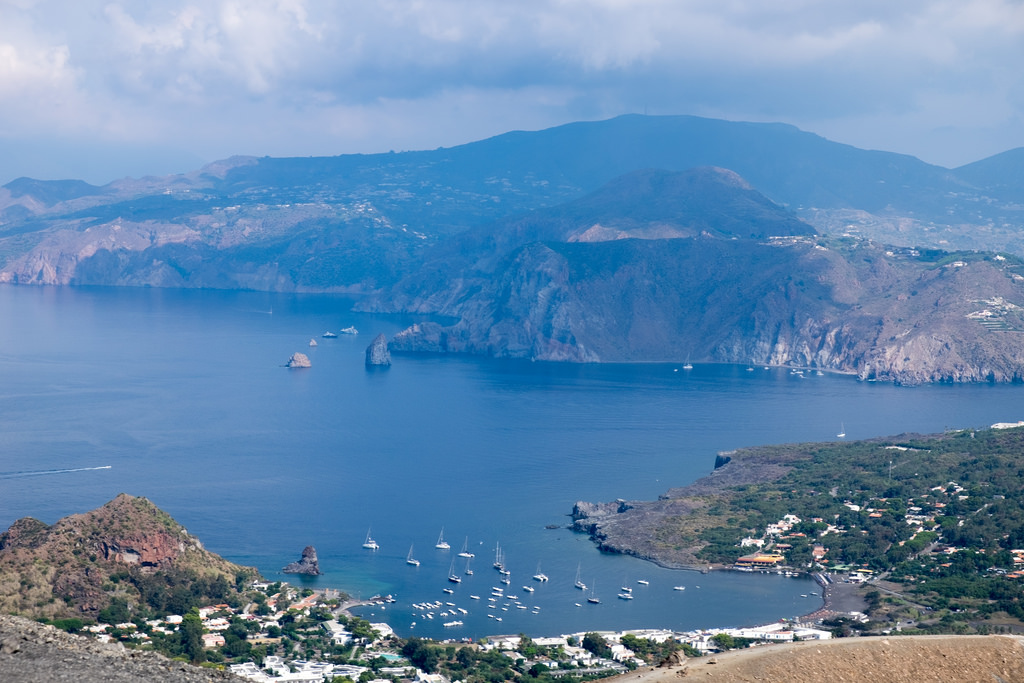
64,569
377,354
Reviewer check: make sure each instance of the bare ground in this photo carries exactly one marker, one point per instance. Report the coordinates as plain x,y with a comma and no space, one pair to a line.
902,659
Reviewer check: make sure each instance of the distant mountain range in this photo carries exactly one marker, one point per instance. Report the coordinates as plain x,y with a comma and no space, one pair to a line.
637,238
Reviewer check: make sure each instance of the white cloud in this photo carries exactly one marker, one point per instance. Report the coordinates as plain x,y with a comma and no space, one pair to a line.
295,76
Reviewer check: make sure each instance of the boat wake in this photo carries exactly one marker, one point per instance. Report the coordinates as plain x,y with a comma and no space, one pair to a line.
39,473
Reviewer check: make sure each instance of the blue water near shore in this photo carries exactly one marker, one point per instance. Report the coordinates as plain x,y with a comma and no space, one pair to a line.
183,395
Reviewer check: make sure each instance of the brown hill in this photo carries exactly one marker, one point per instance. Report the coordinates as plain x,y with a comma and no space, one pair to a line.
128,550
909,659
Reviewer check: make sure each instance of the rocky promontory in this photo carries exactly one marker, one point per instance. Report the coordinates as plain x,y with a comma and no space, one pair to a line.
307,564
377,354
64,570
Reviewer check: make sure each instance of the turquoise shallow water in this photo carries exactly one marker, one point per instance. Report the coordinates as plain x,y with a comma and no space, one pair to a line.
182,394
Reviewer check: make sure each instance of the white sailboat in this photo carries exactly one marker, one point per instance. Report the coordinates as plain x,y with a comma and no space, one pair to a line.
465,549
540,576
579,584
452,576
499,561
593,599
468,572
369,543
441,543
842,431
409,559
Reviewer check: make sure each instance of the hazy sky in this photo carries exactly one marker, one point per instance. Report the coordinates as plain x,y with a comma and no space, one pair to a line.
99,90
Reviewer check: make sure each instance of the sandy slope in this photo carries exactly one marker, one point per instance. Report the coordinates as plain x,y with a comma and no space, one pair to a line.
909,659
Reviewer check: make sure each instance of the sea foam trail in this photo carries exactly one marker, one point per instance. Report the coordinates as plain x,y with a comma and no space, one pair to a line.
38,473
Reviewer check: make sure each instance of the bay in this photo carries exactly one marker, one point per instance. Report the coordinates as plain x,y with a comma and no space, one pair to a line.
183,396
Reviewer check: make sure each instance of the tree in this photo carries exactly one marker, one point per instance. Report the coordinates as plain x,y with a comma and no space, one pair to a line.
191,631
594,643
723,641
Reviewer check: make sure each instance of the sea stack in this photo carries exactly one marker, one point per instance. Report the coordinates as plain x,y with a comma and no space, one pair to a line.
377,353
307,565
299,360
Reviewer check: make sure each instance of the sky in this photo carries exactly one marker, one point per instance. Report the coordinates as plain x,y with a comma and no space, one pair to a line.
99,90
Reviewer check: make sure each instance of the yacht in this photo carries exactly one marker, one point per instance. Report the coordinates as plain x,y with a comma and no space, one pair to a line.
465,549
409,559
369,543
540,576
441,543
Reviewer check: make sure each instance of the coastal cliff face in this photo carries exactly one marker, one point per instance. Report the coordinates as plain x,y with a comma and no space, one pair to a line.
73,559
848,307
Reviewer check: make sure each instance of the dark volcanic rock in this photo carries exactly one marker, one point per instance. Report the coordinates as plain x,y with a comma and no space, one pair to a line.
307,565
377,353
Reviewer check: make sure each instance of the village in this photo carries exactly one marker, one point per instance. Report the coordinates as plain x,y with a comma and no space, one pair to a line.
309,637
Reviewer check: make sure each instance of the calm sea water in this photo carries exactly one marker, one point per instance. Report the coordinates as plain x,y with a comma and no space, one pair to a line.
183,394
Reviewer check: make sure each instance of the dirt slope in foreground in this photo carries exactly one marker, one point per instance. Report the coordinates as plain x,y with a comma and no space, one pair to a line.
901,659
33,653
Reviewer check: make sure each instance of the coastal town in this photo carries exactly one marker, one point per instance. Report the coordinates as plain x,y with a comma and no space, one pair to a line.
291,635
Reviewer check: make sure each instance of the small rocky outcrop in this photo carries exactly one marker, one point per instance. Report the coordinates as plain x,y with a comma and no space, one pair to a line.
307,565
377,353
299,360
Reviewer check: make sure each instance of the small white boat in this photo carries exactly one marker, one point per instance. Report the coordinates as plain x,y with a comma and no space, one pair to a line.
409,559
688,366
329,335
528,589
643,582
369,543
350,330
441,543
474,597
312,342
625,596
449,591
678,588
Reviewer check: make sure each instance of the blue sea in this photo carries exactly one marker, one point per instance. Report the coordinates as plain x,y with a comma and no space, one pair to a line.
182,397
